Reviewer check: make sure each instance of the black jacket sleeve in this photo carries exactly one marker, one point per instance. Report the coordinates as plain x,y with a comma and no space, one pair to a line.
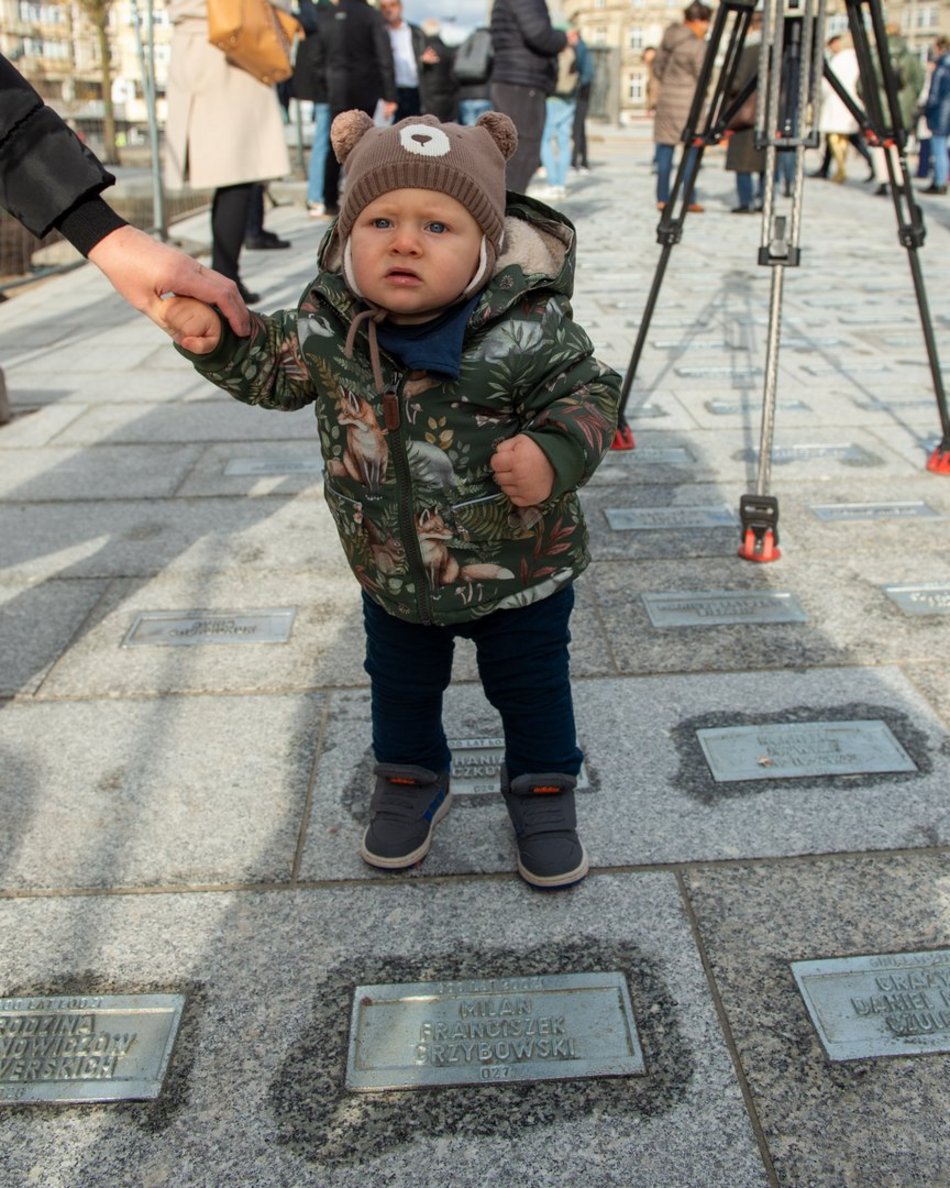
46,173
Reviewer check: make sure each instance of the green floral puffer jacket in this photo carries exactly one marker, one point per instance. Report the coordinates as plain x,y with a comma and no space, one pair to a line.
426,530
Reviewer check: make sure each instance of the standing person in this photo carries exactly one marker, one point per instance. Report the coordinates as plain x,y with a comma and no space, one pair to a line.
310,82
408,44
472,66
677,66
559,125
439,88
585,80
909,76
835,119
211,107
526,47
477,533
256,237
742,157
50,180
937,114
360,74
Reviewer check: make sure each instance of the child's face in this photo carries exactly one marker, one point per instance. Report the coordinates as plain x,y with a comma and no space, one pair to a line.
413,252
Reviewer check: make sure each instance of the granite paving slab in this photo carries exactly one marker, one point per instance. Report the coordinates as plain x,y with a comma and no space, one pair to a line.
211,421
853,1122
149,470
28,389
652,797
122,538
36,427
255,1087
37,623
242,468
99,794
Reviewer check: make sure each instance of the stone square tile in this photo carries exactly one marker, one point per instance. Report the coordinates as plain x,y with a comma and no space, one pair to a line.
147,471
177,791
37,624
32,427
199,421
272,468
123,538
651,797
824,1122
255,1085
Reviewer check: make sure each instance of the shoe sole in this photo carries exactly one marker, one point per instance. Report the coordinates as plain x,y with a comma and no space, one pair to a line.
555,882
405,860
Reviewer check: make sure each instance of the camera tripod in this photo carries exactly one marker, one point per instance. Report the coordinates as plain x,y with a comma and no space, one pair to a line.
791,65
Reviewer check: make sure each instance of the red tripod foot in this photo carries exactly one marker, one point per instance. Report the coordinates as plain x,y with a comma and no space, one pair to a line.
758,515
623,438
939,460
759,548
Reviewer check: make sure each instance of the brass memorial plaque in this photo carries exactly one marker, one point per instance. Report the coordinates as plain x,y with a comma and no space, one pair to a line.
414,1035
712,608
96,1048
890,1004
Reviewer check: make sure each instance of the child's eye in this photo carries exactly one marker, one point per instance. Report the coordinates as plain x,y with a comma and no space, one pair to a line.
381,223
437,227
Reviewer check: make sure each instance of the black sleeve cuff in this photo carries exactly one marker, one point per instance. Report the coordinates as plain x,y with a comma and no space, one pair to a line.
88,222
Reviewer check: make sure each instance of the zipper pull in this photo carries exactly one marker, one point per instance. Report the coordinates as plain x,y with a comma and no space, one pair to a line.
391,409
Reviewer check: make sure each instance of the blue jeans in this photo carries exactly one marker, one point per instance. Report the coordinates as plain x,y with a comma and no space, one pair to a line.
318,153
471,109
523,663
938,150
559,129
749,193
664,170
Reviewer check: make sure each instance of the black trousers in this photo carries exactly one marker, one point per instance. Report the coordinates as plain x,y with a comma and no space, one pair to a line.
331,174
526,107
229,209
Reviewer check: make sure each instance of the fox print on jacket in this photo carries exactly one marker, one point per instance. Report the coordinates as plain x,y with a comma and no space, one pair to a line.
407,469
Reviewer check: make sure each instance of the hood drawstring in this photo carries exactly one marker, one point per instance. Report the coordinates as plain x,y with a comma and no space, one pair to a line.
373,315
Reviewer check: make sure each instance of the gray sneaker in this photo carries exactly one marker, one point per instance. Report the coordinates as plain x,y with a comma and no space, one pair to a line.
541,808
407,804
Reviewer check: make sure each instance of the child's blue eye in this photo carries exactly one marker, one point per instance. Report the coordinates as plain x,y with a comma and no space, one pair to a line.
438,228
381,223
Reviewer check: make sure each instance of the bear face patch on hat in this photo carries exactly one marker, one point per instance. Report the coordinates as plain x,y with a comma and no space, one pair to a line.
465,162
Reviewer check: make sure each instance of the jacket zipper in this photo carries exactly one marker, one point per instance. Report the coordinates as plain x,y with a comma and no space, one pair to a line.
393,421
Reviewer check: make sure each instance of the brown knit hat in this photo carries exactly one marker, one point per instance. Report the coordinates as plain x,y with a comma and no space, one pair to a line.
467,163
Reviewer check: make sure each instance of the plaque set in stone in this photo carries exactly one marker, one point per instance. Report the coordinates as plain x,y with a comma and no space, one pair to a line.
476,766
193,628
889,1004
415,1035
82,1049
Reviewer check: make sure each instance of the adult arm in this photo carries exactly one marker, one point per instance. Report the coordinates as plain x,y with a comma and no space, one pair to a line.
49,179
535,25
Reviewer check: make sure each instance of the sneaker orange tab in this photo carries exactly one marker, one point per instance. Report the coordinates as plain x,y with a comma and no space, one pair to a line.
403,780
546,788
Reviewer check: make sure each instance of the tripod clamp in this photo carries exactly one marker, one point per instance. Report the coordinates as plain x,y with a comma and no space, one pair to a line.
758,516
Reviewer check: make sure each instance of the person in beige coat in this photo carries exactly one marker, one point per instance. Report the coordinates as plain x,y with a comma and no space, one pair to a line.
224,132
677,65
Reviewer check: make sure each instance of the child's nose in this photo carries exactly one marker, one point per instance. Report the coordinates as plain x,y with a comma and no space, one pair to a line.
405,241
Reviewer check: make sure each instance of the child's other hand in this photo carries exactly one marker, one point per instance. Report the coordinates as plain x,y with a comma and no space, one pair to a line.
523,471
192,324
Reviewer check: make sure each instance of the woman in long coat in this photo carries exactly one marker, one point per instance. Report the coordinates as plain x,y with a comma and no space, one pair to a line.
677,66
224,132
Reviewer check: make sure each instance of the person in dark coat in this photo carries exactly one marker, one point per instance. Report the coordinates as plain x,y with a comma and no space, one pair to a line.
937,114
524,72
310,82
742,157
50,180
359,73
438,85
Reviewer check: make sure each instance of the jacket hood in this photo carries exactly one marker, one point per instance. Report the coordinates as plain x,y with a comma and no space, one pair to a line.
538,252
676,35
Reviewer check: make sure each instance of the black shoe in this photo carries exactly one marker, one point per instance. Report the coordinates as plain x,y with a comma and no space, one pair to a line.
330,210
267,241
934,189
822,173
742,210
248,297
869,178
408,802
882,191
541,807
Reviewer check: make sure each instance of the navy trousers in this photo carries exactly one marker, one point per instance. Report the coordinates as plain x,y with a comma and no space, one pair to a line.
524,667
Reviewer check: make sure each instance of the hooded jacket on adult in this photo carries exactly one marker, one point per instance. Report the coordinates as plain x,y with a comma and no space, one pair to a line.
427,531
525,44
937,109
678,62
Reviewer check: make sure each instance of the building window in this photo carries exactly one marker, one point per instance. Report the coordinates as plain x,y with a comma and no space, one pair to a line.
635,88
599,35
635,37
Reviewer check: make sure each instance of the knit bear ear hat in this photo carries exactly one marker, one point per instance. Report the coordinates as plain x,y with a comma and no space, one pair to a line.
465,162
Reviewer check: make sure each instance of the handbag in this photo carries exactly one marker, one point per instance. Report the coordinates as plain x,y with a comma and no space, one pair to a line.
255,35
745,115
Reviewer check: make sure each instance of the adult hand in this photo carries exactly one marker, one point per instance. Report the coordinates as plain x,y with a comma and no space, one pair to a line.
389,108
141,269
523,471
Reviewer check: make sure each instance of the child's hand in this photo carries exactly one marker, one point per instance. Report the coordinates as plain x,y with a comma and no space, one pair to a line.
192,324
523,471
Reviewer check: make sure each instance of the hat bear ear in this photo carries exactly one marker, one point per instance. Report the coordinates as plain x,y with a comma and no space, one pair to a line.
502,131
346,131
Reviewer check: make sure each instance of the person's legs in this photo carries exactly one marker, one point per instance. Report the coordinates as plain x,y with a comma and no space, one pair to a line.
526,107
664,168
318,156
579,130
744,191
546,148
471,109
938,150
562,130
838,143
409,667
229,209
